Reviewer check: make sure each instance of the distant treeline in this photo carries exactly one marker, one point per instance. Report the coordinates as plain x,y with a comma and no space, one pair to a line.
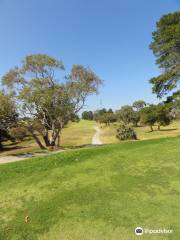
139,113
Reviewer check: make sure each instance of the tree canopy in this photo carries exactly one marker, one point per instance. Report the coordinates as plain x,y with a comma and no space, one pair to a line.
105,116
127,115
148,116
159,114
163,116
87,115
166,47
138,105
8,115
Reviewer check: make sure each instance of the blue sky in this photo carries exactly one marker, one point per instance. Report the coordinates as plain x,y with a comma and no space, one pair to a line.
110,36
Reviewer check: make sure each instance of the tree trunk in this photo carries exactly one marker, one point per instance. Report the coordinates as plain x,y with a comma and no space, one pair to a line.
159,127
46,139
1,146
151,128
53,143
58,142
54,137
38,141
36,138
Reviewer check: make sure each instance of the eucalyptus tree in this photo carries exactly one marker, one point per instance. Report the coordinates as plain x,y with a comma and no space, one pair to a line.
45,100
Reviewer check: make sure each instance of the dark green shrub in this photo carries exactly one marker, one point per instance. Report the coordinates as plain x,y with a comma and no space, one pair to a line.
126,133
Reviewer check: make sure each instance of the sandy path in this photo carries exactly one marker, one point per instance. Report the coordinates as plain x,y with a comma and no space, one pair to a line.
9,159
96,138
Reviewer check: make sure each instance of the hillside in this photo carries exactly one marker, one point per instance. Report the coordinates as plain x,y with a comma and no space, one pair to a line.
96,193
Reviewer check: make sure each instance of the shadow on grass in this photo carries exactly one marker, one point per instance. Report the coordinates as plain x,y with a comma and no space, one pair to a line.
82,146
162,130
170,129
7,149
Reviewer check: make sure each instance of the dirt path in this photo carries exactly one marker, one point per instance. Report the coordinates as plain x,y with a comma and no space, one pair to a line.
9,159
96,138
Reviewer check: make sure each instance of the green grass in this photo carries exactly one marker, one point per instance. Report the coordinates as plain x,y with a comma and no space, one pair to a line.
108,134
76,134
98,193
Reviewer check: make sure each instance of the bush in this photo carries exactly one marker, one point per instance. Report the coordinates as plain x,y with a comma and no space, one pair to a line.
18,133
126,133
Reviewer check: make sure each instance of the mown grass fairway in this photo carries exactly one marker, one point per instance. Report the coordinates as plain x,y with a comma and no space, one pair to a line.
77,134
98,193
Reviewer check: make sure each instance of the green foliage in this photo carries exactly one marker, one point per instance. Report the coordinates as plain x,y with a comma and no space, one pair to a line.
105,116
148,116
173,102
125,132
82,82
99,113
75,118
127,115
138,105
87,115
8,116
166,48
40,63
163,117
159,114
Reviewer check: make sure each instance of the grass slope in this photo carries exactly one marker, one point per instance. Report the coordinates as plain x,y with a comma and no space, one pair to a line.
101,193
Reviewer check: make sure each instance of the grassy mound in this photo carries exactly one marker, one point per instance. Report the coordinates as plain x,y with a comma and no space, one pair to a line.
93,194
